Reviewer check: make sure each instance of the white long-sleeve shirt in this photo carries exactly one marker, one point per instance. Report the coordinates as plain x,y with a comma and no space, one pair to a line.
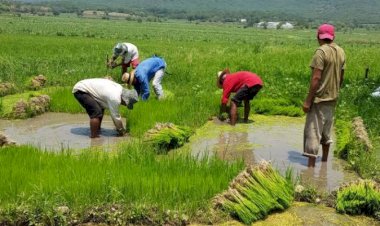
106,92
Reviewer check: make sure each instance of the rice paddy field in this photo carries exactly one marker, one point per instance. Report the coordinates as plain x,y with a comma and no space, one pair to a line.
97,186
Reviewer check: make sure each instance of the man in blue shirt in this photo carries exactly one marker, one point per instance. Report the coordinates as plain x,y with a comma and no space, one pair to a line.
151,68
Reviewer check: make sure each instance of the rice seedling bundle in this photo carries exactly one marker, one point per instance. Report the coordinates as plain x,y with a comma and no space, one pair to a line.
256,192
36,105
361,134
7,88
359,197
166,136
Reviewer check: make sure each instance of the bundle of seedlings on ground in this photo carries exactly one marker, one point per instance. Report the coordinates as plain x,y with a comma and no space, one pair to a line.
36,105
359,197
305,194
256,192
361,135
355,146
166,136
7,88
37,82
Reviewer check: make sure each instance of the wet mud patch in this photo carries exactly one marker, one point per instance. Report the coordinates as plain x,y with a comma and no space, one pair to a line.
277,139
60,131
309,214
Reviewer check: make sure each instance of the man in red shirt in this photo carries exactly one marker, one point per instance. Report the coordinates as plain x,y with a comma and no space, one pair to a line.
245,84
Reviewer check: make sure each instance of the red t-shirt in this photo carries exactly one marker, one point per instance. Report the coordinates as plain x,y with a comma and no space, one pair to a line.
234,81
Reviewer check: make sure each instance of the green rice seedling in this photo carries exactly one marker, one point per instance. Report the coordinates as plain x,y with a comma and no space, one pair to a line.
360,197
343,132
280,57
133,176
278,106
166,136
62,100
256,192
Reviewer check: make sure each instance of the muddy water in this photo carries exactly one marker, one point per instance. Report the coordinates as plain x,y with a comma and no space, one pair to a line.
275,138
60,131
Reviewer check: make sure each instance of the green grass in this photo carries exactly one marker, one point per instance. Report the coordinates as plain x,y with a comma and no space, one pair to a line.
67,50
133,176
9,101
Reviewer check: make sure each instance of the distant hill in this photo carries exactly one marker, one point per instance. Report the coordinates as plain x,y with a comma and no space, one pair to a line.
363,11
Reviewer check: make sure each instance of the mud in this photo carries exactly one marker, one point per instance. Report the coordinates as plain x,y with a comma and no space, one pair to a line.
276,139
60,131
309,214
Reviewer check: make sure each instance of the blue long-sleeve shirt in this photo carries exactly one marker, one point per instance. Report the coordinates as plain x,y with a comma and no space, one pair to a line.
145,71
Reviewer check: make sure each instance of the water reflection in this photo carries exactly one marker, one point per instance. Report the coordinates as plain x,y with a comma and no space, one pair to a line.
230,147
280,141
59,131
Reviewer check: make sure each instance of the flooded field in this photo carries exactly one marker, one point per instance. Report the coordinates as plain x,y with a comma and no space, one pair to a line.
274,138
59,131
277,139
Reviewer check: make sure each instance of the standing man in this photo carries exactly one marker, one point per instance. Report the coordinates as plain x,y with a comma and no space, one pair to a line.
96,94
151,68
245,84
129,56
327,65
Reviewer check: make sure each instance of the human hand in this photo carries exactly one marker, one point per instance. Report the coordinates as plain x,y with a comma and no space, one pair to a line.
223,116
306,106
111,64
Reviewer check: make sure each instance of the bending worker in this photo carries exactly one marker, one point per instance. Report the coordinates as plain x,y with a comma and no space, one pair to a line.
129,56
151,68
96,94
245,84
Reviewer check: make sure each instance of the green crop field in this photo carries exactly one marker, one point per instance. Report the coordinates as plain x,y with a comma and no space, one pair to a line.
68,49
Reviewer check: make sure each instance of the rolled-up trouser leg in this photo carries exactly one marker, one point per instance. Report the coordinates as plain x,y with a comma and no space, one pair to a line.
157,83
319,121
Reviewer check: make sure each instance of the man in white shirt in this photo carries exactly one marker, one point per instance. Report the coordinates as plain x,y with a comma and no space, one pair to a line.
97,94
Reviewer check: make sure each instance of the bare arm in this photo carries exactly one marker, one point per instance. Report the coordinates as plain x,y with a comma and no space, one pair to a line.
341,77
223,108
247,109
314,83
112,63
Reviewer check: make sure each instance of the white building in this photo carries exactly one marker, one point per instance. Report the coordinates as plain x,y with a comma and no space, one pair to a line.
274,25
